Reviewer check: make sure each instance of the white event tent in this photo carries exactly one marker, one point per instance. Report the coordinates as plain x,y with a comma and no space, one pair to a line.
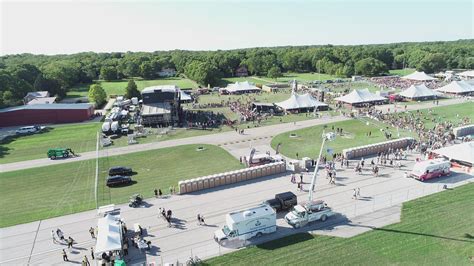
457,87
240,87
463,152
360,96
419,91
418,76
109,235
466,74
301,101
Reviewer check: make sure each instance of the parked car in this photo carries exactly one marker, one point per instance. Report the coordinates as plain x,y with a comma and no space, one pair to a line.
28,130
118,180
120,170
282,201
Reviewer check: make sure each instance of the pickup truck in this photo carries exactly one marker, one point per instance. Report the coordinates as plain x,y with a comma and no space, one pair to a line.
283,201
308,212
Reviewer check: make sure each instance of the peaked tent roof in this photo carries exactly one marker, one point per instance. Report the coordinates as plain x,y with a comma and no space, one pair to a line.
418,91
360,96
299,101
457,87
459,152
109,237
241,86
468,73
420,76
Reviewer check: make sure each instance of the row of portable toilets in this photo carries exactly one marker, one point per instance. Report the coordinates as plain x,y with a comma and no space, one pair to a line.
463,131
372,149
222,179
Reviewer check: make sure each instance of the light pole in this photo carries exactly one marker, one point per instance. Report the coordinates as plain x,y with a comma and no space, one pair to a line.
326,136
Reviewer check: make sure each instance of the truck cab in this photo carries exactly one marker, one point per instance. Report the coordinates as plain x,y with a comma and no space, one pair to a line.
305,213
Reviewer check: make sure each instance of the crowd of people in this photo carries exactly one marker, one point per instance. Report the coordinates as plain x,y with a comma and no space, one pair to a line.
388,83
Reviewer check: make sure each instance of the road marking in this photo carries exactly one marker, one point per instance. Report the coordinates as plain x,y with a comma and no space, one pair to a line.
34,241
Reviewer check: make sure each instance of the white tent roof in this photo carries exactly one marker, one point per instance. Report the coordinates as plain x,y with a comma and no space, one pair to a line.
164,88
241,86
109,237
468,73
299,101
457,87
420,76
459,152
184,96
418,91
360,96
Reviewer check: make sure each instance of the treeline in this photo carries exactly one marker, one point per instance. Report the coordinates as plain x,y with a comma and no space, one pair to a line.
22,73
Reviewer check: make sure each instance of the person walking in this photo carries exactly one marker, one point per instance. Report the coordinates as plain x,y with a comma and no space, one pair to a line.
160,193
199,219
64,255
301,178
70,241
91,231
53,235
60,234
171,190
358,192
92,253
85,261
155,192
125,248
202,220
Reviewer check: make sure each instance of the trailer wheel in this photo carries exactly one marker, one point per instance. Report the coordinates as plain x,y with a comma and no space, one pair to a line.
65,155
53,157
259,234
223,242
323,218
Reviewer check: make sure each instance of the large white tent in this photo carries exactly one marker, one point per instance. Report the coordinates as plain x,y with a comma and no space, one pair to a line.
240,87
466,74
458,87
419,76
109,235
419,91
360,96
463,152
301,101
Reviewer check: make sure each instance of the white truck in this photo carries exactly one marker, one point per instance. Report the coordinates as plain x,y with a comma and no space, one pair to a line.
305,213
245,224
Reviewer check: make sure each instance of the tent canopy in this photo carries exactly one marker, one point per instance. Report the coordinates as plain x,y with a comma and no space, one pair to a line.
418,91
184,97
468,73
463,152
457,87
300,101
419,76
109,236
241,87
360,96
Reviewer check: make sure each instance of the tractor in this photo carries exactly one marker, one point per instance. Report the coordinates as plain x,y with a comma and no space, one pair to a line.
60,153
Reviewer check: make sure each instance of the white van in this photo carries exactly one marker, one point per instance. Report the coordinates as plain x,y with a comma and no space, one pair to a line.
425,170
27,130
246,224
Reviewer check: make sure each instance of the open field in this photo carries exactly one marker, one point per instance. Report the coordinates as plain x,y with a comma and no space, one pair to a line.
304,77
402,72
118,87
307,142
78,137
40,193
255,80
434,230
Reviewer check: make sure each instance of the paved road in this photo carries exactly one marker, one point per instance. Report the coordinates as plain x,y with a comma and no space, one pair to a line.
381,198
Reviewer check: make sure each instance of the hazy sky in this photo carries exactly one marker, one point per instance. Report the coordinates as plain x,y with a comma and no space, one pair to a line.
52,27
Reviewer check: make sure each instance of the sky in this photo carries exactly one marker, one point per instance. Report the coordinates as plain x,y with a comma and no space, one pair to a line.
64,27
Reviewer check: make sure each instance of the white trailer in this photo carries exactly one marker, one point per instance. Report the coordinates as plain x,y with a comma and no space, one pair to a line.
245,224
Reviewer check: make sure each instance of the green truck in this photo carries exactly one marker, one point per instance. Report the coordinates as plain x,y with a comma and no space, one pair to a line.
60,153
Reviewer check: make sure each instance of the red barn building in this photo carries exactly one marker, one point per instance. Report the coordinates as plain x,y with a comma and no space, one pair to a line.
45,114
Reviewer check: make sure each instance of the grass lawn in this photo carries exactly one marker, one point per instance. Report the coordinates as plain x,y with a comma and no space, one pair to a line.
304,77
308,140
45,192
78,137
118,87
402,72
434,230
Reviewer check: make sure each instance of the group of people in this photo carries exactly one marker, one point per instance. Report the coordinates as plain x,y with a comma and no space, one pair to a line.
399,83
166,215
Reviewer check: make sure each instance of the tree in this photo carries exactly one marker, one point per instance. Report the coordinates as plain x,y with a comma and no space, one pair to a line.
97,94
50,85
274,72
432,63
108,73
131,90
370,67
148,70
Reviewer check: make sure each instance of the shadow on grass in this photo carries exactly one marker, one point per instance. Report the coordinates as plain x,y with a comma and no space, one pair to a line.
286,241
9,139
421,234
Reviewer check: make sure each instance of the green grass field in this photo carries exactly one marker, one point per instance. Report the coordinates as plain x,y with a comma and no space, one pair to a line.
304,77
434,230
45,192
78,137
402,72
308,140
118,87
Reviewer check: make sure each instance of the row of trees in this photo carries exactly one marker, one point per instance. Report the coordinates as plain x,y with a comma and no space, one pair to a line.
98,96
26,72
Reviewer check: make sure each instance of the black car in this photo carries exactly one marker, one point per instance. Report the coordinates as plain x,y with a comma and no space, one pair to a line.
283,201
118,180
120,170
